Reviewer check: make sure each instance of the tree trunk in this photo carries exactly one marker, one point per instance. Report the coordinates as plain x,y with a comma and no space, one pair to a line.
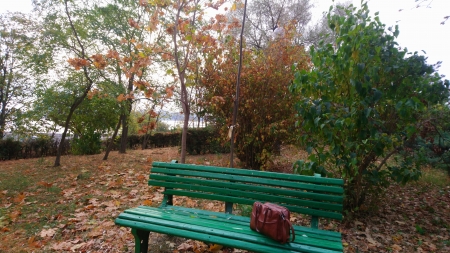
110,145
124,136
2,119
186,111
66,128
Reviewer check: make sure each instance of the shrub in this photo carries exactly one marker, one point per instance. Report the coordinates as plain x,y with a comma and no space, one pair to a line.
87,144
363,103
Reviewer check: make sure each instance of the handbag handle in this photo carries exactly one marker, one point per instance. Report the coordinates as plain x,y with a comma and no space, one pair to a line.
291,227
258,209
265,217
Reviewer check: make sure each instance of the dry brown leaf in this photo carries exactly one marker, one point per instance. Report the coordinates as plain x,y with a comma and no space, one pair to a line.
45,184
96,232
141,177
397,238
147,202
396,247
369,237
184,246
215,247
47,232
34,244
61,246
19,198
14,215
77,246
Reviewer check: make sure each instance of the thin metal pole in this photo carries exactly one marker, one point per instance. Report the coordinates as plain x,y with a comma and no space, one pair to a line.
238,80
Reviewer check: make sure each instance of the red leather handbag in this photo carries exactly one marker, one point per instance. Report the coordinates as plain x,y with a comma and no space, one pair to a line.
272,220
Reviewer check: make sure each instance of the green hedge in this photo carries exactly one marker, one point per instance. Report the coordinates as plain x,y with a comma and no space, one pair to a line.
199,141
31,148
205,140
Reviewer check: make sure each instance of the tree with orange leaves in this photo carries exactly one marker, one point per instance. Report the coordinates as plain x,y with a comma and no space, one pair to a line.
185,26
104,43
266,114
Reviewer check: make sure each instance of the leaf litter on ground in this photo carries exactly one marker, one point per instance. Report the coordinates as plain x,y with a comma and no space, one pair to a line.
73,207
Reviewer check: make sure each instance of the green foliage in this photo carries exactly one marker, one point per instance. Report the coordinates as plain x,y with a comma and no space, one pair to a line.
10,149
87,144
362,104
205,140
99,112
16,89
433,141
419,229
162,127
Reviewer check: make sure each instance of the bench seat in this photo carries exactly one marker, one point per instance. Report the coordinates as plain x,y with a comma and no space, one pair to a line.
225,229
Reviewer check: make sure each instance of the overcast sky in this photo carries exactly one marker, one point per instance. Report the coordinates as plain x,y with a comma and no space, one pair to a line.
420,28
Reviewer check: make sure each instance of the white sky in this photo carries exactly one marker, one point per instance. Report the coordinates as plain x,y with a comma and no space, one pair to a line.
420,28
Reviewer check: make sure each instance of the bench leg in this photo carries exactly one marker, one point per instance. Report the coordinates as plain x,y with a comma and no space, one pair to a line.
140,240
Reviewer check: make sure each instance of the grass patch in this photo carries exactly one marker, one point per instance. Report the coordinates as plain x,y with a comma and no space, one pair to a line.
435,177
244,210
84,175
13,182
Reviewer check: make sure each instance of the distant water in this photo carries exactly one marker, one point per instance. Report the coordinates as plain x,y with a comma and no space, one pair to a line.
179,123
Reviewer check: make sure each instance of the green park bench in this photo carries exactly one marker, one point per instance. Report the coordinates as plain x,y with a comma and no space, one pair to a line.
314,196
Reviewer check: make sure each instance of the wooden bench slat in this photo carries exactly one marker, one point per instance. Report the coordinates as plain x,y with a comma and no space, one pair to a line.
241,186
220,228
253,173
201,236
246,179
247,220
310,211
228,230
251,195
218,223
244,221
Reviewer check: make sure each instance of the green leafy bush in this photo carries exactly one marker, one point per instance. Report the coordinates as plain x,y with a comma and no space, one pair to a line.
363,105
87,144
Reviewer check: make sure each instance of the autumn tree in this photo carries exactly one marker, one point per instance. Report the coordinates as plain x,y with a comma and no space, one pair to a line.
362,106
107,46
16,45
120,27
183,21
66,33
266,111
151,118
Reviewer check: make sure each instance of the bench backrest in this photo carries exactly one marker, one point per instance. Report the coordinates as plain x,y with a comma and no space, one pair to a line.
316,196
